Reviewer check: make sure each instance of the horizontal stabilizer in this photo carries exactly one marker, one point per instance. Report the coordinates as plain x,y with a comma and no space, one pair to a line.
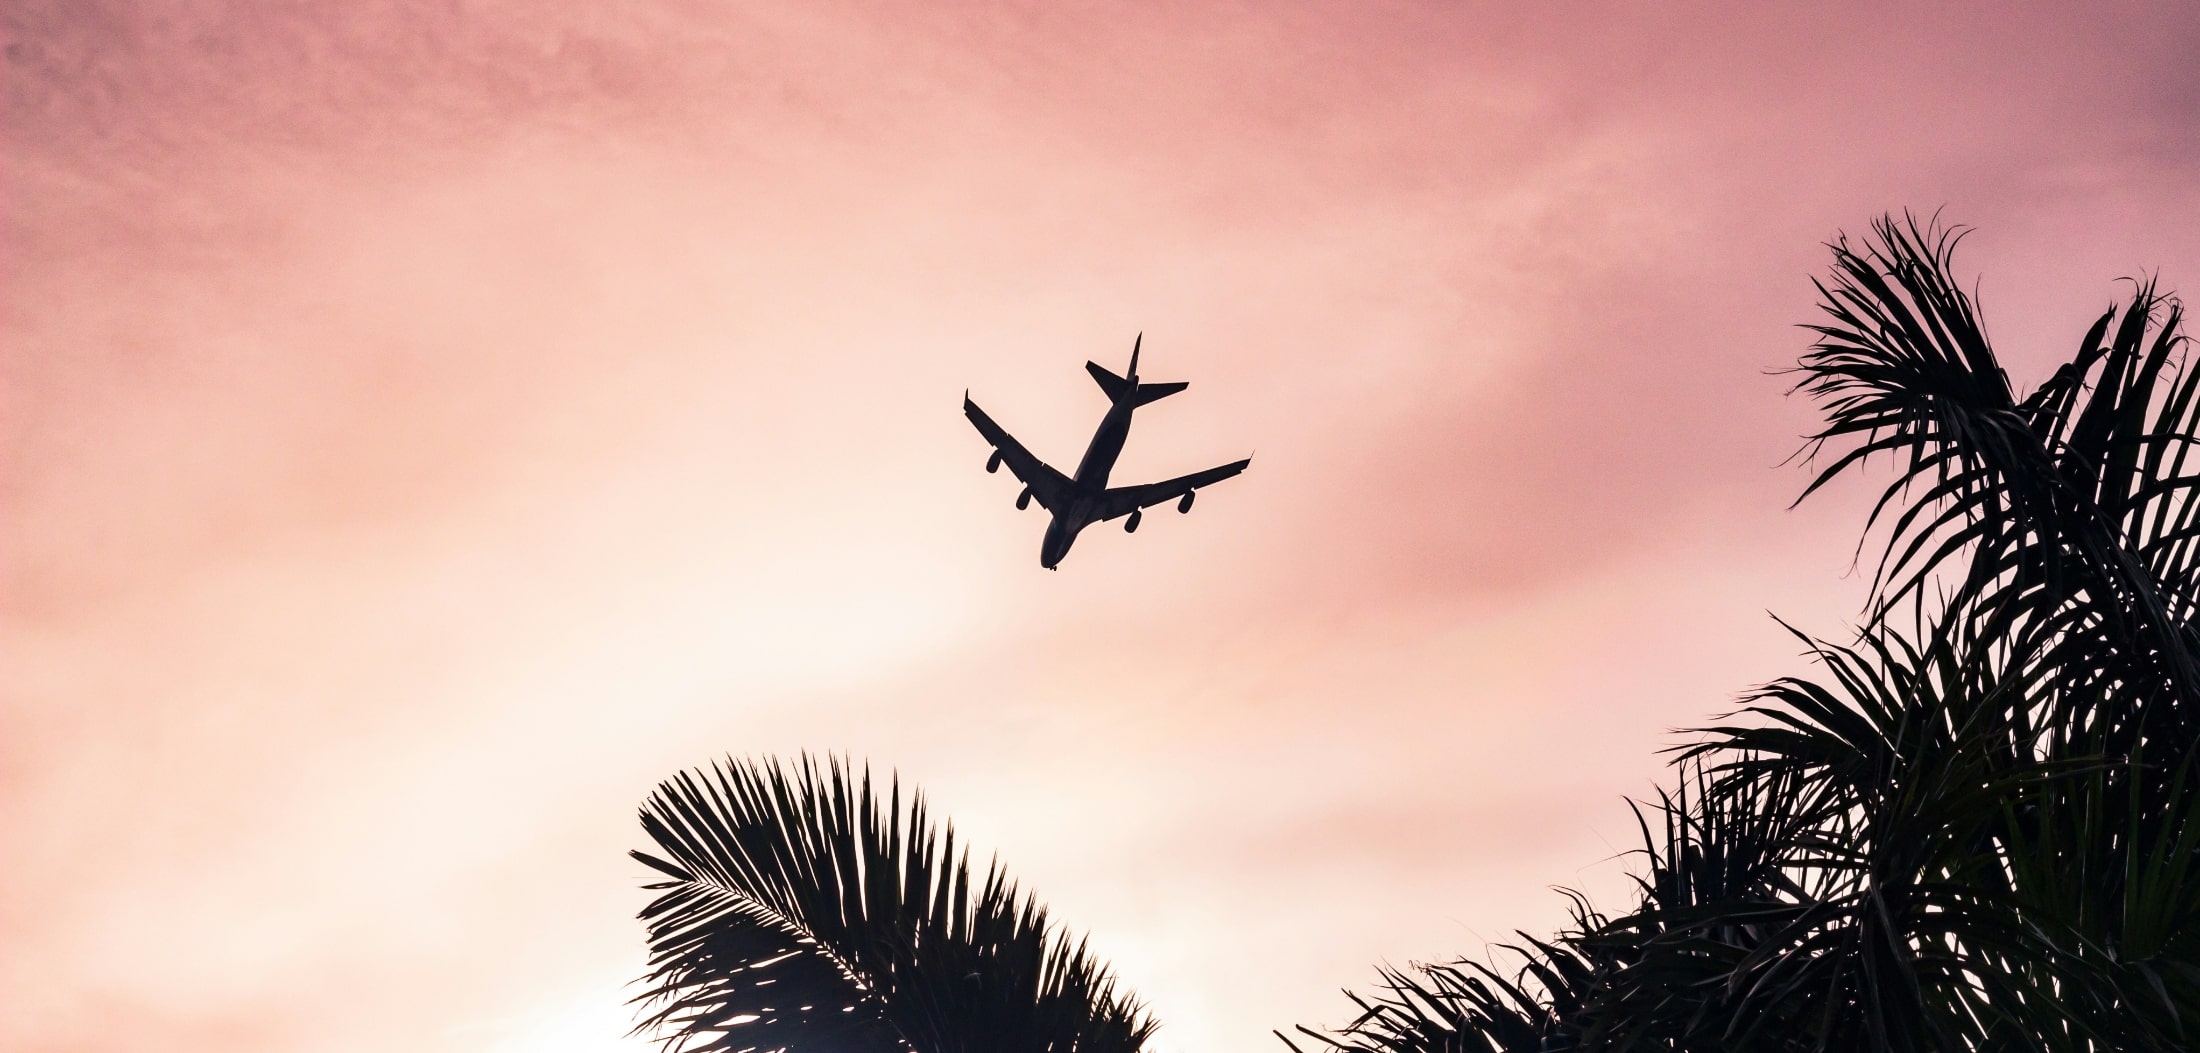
1109,382
1154,392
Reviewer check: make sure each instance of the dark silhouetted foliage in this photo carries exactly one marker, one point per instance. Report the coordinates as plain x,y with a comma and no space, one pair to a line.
1977,826
800,911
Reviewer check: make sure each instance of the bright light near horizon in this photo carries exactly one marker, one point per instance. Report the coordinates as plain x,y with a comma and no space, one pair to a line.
590,1020
428,428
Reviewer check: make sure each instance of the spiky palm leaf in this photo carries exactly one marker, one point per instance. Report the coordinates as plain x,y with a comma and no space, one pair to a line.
803,912
1466,1006
1979,830
2067,526
1718,892
1900,918
2067,519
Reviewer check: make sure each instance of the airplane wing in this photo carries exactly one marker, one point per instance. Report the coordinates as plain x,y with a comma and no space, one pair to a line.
1123,500
1048,486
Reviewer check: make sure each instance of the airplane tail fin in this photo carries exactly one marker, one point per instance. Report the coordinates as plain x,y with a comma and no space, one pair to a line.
1117,386
1114,385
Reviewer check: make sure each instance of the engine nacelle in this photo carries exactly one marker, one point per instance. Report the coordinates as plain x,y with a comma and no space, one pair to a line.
1185,505
1023,500
1130,526
993,463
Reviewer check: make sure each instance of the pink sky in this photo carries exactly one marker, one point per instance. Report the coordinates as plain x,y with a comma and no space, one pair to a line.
428,425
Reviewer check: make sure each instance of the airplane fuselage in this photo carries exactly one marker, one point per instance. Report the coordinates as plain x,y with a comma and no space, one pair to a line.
1091,480
1106,446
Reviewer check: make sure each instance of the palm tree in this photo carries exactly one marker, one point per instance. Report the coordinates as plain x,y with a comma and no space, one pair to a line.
802,911
1977,826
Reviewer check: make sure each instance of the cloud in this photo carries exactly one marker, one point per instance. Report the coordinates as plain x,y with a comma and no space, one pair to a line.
429,424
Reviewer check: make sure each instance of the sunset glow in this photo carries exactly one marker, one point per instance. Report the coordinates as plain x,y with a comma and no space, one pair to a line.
429,424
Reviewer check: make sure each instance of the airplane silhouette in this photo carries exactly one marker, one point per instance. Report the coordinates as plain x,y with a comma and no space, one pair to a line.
1087,499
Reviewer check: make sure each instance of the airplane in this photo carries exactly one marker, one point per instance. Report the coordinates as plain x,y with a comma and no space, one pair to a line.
1080,501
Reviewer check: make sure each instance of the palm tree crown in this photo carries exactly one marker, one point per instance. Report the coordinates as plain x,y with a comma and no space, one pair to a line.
802,911
1978,826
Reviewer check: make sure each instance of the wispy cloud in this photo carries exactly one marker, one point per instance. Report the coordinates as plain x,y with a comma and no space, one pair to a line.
428,424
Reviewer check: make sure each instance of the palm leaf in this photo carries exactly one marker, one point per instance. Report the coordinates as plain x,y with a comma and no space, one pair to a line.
1467,1006
1979,830
801,911
2068,517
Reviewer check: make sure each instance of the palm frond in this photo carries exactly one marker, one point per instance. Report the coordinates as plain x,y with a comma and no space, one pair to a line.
802,911
2068,517
1979,830
1466,1006
1895,777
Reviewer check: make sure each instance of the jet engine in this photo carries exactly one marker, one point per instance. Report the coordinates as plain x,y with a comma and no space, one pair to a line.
993,463
1023,500
1185,506
1130,526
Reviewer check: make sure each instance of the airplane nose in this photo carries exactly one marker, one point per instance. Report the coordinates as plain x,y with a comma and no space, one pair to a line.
1056,544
